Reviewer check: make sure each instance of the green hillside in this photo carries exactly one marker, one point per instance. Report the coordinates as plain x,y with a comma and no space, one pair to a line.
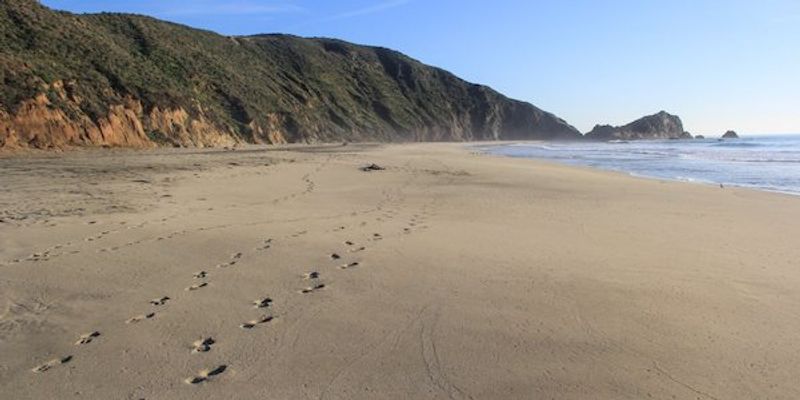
128,80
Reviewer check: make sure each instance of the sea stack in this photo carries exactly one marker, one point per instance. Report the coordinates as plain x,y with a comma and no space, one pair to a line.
730,135
661,125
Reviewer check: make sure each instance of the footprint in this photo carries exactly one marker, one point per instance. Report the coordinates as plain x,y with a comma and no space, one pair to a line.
362,248
263,303
213,372
335,256
205,375
140,318
261,320
227,264
311,275
202,345
160,301
52,364
87,338
196,287
236,256
349,243
194,380
348,266
200,275
312,289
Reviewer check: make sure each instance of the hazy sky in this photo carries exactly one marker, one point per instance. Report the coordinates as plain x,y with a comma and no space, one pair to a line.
719,64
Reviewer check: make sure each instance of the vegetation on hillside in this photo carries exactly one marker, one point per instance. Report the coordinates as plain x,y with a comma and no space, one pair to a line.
311,89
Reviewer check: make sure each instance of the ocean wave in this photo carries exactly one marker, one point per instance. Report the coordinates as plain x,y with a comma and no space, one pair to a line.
762,163
744,158
736,144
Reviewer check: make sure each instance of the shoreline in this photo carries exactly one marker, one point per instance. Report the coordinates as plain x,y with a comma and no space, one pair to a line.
632,174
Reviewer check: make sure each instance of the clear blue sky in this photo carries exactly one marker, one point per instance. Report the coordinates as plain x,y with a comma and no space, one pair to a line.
719,64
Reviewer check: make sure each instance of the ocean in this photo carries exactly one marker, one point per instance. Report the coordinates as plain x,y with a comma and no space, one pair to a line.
761,162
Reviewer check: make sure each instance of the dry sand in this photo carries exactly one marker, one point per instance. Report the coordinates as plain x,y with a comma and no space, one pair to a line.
127,275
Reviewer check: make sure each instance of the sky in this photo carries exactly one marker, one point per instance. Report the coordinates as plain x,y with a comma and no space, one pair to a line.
718,64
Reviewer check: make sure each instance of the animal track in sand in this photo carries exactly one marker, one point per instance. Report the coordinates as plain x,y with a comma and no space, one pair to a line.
335,256
356,250
253,323
97,237
140,318
200,275
349,243
262,303
349,265
205,375
160,301
203,345
311,275
196,287
312,289
233,260
267,244
87,338
52,364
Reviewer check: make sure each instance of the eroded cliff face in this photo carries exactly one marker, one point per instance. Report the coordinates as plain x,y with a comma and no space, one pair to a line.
39,123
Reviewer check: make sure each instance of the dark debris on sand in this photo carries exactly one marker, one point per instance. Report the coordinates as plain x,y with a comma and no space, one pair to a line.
372,167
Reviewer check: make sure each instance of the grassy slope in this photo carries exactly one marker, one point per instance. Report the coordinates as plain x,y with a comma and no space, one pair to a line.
323,89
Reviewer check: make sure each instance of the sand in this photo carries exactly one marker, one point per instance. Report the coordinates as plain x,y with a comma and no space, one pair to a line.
288,273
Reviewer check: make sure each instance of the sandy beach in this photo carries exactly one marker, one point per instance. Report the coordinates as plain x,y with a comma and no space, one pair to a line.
289,273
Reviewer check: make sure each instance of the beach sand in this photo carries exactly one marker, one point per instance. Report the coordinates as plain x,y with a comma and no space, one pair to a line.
288,273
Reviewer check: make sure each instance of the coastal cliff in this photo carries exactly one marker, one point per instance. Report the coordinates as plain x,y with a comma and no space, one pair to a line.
134,81
661,125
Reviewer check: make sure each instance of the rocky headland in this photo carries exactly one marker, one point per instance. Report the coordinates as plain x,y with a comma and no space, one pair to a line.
661,125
